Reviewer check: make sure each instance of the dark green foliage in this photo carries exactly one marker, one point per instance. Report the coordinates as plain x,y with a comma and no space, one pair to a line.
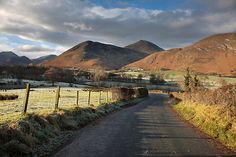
191,83
187,80
195,84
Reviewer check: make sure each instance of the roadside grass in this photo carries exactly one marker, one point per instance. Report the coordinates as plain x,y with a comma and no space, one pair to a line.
215,120
41,133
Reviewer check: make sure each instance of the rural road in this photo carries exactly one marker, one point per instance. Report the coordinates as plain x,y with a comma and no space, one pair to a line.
149,128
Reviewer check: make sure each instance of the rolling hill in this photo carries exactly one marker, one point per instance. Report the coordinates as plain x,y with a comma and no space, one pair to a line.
91,54
144,46
214,54
10,58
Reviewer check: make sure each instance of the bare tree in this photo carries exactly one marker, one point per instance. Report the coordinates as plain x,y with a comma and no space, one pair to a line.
140,78
98,74
52,75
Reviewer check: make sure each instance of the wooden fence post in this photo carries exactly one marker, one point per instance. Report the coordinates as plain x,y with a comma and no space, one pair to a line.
89,97
57,97
112,96
107,96
26,100
99,100
77,100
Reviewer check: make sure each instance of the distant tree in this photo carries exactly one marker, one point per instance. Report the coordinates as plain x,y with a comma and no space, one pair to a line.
52,75
67,76
140,77
191,83
187,80
153,78
195,83
97,75
156,77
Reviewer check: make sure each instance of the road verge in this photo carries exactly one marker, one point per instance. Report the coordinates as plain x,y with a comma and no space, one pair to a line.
42,133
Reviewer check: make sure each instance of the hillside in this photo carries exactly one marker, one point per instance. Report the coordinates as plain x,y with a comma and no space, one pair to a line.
214,54
10,58
144,46
43,59
91,54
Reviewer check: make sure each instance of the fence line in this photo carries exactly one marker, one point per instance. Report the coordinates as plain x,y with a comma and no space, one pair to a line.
38,99
58,96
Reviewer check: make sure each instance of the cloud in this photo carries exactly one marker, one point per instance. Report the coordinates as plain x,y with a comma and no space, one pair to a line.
33,48
34,51
66,23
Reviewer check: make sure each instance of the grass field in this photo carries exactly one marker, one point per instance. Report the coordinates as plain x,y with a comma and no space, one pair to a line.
44,99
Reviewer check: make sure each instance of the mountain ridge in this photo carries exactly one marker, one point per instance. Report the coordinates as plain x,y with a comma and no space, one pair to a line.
144,46
213,54
9,58
90,54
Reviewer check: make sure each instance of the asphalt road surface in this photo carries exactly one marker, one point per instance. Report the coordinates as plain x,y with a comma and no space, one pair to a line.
149,128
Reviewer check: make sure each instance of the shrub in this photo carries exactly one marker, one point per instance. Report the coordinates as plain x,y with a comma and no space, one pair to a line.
129,93
225,95
140,92
191,83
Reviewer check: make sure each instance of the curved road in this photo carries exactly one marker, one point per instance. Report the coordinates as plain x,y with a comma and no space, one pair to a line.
149,128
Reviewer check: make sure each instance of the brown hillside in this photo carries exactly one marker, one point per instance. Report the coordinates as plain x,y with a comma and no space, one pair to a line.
214,54
145,46
90,54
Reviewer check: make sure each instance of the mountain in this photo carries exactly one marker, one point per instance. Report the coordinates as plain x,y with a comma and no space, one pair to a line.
214,54
43,59
10,58
144,46
91,54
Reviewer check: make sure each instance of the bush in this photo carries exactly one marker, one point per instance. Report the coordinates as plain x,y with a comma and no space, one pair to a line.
129,93
122,93
140,92
225,95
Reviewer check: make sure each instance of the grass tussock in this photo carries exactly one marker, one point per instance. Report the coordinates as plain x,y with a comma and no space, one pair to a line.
39,134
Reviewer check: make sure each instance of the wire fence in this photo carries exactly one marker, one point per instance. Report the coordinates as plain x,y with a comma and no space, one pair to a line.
36,99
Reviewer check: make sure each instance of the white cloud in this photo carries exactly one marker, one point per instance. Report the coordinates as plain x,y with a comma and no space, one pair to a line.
80,26
34,51
32,48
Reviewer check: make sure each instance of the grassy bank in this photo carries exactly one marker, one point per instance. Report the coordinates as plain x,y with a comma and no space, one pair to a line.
216,120
41,133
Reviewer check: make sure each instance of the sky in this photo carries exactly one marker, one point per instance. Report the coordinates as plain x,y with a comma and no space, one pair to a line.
36,28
